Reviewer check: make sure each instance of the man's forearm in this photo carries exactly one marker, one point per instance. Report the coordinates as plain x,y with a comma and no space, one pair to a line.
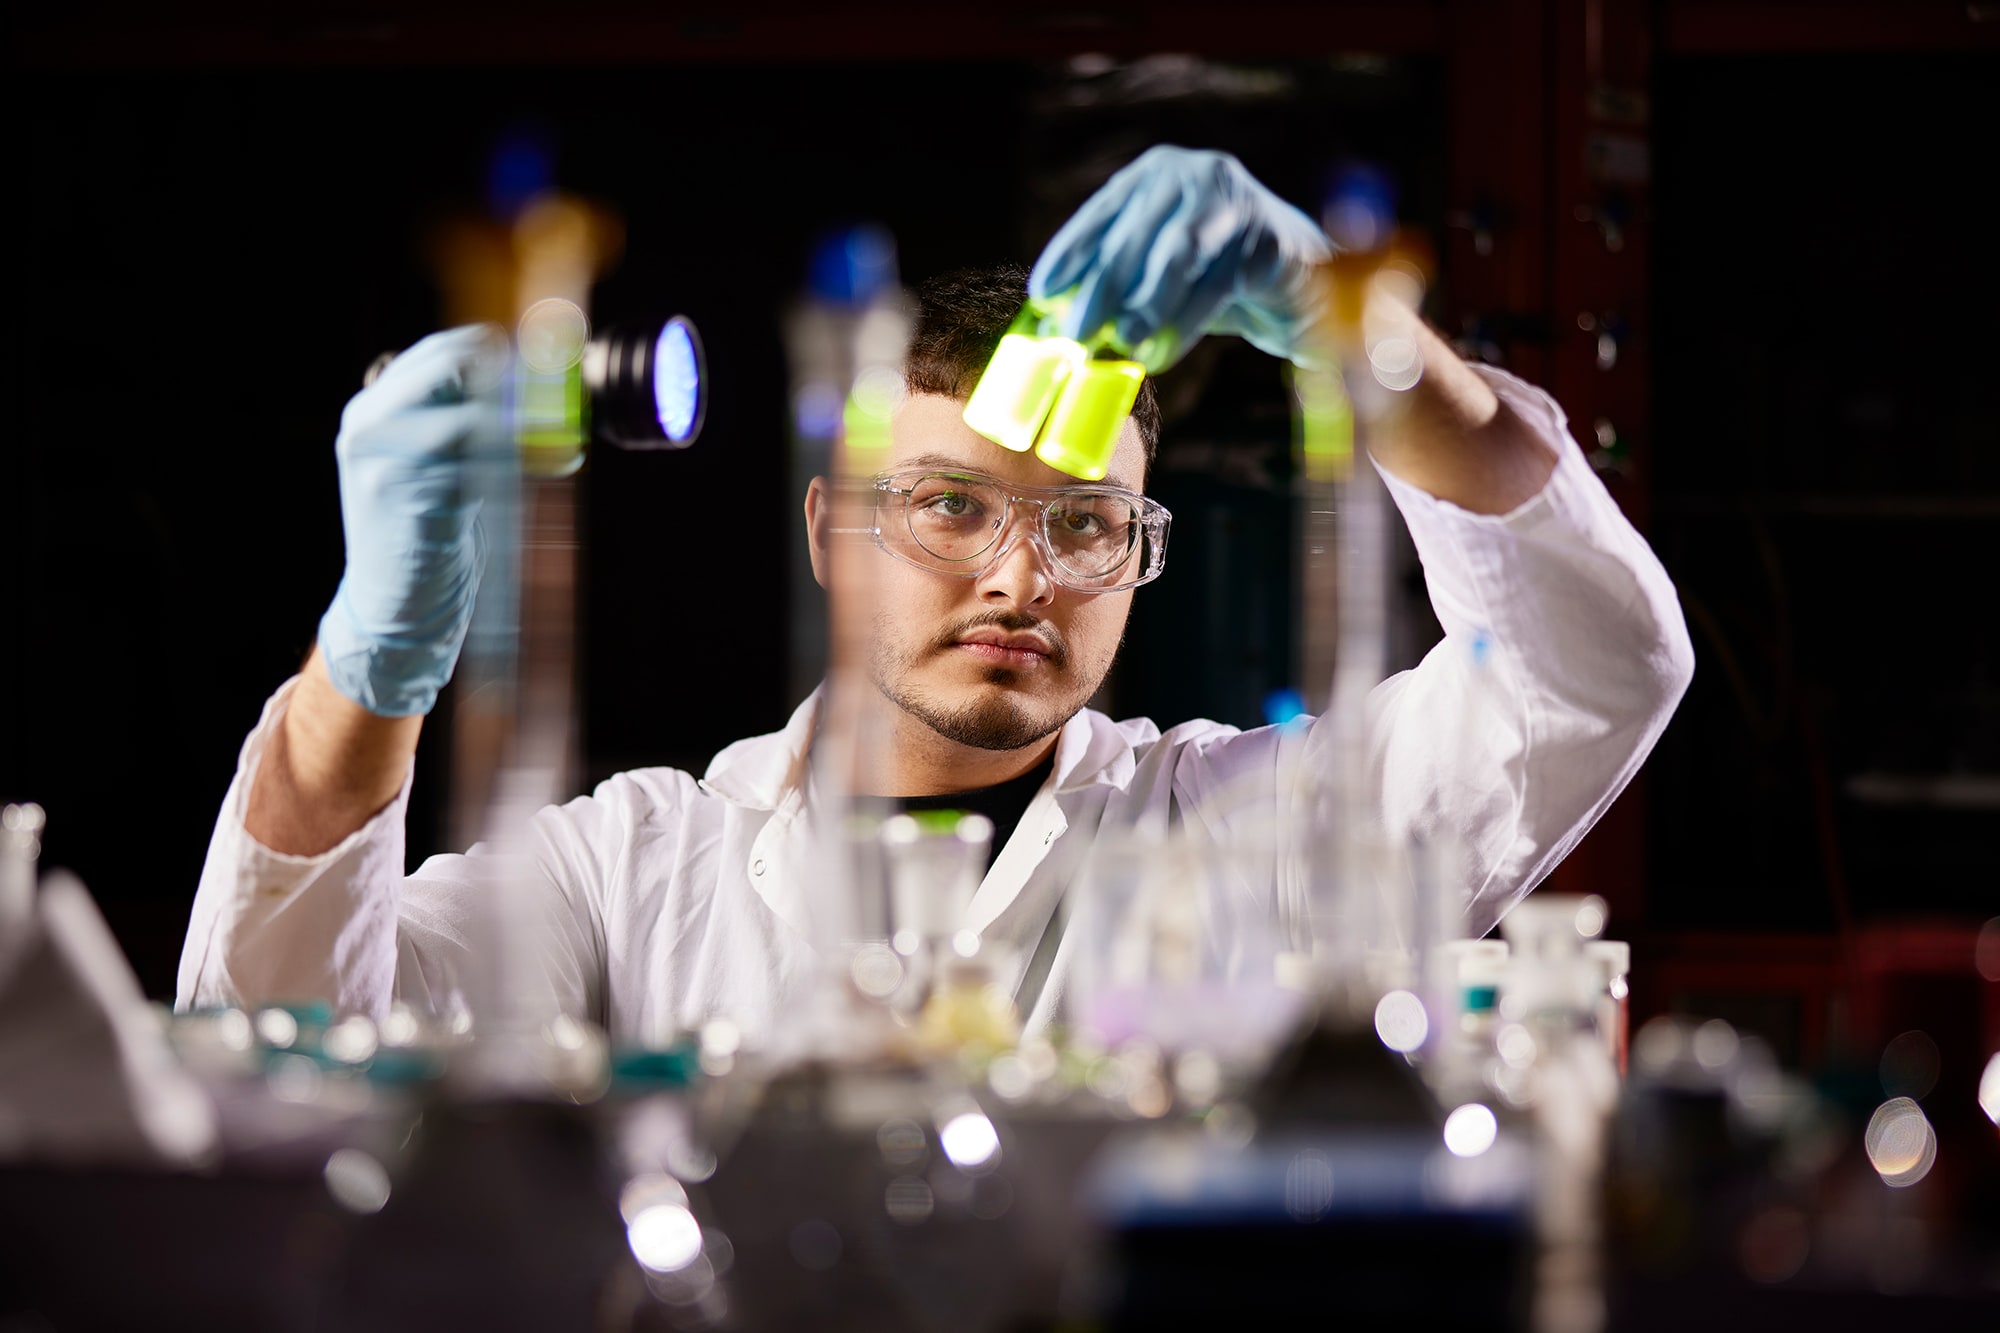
1453,437
331,765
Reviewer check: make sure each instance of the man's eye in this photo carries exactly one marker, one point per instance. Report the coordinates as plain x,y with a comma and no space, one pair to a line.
1080,524
950,504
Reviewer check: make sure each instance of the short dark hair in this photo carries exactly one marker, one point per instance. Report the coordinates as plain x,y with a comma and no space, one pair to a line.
960,318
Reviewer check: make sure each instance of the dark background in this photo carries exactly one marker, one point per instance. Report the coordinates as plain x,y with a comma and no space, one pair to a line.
220,221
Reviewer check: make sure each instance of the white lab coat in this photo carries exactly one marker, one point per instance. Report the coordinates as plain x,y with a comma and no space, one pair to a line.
660,900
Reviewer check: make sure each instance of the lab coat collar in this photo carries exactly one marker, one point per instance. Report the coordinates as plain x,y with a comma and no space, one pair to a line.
767,772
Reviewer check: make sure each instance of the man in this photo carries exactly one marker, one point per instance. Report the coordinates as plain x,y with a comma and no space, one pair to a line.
662,901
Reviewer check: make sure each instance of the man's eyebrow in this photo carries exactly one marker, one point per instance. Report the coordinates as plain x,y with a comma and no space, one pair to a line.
946,463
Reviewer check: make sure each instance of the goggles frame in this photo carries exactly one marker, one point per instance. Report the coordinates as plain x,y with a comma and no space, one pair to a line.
1151,524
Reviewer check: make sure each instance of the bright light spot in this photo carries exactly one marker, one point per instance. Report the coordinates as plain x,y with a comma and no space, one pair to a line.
906,942
1009,1078
969,1139
565,1033
1040,1058
1396,362
1901,1144
878,391
721,1037
1618,988
1989,1089
277,1028
356,1181
1470,1130
1400,1021
1715,1044
966,943
689,1161
400,1028
876,970
1516,1045
232,1029
901,1141
1309,1186
350,1041
677,380
665,1237
649,1189
1400,281
1591,915
553,335
908,1200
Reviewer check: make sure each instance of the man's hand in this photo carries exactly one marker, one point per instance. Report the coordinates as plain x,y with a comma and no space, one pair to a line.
1180,243
392,634
389,641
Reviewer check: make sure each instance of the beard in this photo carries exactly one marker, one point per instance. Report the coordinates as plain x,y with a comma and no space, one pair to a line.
996,720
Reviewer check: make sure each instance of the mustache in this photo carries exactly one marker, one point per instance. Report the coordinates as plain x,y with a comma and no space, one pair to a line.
1014,622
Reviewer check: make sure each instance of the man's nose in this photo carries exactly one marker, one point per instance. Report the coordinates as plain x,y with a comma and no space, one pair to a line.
1019,572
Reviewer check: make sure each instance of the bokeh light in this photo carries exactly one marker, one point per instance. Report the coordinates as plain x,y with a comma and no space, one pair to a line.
876,970
1989,1089
552,335
1470,1130
277,1028
350,1041
1910,1066
1309,1186
969,1140
356,1181
1902,1147
1986,950
901,1142
1401,1022
908,1200
664,1237
1715,1044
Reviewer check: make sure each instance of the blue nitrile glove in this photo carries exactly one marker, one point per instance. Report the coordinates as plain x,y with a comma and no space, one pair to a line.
406,446
1180,243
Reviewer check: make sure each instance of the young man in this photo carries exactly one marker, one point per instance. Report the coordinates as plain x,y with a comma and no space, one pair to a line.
661,901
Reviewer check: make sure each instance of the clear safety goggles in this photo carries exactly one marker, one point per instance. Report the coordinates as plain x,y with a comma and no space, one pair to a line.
1091,538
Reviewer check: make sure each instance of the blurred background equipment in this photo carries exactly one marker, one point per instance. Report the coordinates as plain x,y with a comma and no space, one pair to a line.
1776,1104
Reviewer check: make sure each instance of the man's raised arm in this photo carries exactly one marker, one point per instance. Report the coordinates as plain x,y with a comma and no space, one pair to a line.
298,896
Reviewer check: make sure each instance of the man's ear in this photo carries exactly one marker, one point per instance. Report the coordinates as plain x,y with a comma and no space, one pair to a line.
819,527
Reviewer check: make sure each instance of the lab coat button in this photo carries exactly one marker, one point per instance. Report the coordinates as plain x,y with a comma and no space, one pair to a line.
757,866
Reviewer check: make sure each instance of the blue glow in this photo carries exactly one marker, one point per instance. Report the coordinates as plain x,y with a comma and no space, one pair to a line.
522,167
1281,706
851,265
676,380
1359,208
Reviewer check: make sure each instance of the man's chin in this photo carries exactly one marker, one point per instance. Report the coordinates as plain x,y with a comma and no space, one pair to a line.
991,719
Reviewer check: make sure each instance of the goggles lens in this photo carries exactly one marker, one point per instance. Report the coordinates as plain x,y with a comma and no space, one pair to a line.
1098,539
